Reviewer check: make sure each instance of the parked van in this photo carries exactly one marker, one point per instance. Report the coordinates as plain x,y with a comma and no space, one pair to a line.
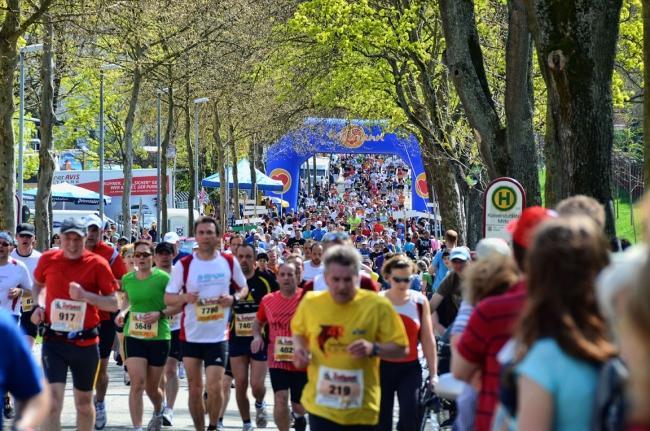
178,220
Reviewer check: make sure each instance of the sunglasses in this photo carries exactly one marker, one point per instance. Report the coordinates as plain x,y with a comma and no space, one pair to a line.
401,279
24,235
140,255
5,244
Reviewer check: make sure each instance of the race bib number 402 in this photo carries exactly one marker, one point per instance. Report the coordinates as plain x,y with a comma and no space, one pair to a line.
139,329
208,310
67,315
339,389
283,349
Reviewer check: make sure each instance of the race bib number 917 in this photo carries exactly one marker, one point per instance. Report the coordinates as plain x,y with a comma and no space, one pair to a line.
339,389
67,315
139,329
208,310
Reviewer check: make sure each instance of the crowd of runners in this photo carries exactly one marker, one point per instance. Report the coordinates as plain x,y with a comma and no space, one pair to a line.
344,309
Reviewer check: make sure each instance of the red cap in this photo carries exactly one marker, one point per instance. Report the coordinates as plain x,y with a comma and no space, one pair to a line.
524,227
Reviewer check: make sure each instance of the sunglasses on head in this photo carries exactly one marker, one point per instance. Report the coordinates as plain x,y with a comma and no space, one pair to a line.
142,254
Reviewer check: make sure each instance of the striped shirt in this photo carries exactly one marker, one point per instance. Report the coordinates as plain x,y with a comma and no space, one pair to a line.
277,311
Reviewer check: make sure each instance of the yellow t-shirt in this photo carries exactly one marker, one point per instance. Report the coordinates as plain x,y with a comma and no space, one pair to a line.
341,388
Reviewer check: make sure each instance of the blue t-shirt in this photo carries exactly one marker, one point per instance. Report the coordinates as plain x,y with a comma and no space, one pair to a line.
440,268
19,373
571,382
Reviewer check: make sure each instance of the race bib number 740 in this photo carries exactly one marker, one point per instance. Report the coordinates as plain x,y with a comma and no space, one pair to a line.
339,389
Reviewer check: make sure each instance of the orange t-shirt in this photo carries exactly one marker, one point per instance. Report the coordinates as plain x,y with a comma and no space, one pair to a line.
91,271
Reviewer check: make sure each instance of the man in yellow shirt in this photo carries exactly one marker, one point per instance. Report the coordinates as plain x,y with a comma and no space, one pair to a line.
340,334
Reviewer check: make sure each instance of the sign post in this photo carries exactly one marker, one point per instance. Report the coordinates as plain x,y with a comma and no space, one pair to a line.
503,201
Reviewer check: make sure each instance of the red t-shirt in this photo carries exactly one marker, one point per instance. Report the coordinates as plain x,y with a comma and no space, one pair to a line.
277,311
91,271
118,267
489,328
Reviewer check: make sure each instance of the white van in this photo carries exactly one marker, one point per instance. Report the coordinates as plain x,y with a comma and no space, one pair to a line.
178,220
59,215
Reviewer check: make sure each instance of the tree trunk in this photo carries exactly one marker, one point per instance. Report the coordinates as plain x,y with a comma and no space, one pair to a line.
164,162
8,62
128,156
190,159
46,161
577,68
221,163
315,173
520,135
646,91
251,161
235,174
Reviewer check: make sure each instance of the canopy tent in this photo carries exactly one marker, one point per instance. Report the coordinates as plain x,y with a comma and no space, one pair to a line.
264,182
65,192
279,201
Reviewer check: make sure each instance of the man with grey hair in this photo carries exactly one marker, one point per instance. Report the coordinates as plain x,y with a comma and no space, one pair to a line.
339,335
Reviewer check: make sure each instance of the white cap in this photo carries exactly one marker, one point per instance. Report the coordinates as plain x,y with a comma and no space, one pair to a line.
94,220
171,237
489,246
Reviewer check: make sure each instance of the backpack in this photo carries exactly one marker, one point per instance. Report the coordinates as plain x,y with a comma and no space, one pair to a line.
187,260
609,407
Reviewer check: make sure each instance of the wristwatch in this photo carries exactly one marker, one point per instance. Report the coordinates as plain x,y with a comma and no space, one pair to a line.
375,350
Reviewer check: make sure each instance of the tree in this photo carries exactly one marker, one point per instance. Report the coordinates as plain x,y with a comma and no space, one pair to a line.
577,67
646,88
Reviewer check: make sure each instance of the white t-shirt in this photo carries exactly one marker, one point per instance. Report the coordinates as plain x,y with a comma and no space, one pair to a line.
13,274
204,322
312,271
30,261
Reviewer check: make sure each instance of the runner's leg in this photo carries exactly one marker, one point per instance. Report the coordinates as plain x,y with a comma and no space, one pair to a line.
258,374
53,422
137,372
83,401
171,381
194,371
154,392
227,388
239,367
281,410
214,381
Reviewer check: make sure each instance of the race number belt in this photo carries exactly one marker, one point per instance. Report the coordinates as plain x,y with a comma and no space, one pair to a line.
244,324
208,310
283,349
67,315
339,389
139,329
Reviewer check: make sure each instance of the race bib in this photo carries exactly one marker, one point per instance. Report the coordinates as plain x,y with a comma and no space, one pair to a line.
207,310
67,315
339,389
27,302
175,321
244,324
283,349
139,329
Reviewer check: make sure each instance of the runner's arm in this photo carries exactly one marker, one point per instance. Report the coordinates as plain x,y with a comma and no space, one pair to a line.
178,299
103,302
300,352
361,348
461,368
429,347
34,410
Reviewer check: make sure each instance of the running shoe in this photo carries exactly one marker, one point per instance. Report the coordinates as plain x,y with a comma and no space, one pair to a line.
100,416
181,371
155,424
260,416
248,427
8,409
300,424
221,426
167,416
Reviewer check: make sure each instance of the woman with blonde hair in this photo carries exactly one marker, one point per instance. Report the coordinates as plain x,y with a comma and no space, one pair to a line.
562,338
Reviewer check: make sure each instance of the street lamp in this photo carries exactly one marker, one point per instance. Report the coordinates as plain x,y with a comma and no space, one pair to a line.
198,102
159,228
103,68
21,116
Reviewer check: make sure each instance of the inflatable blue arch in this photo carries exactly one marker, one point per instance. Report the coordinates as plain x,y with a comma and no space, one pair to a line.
338,136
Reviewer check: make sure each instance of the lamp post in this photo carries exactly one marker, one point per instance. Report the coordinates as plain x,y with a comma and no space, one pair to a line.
159,228
198,102
102,69
21,116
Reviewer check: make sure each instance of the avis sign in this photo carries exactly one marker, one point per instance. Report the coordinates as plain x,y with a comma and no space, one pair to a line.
504,200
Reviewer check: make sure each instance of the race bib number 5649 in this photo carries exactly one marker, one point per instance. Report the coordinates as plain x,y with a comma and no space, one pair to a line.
339,389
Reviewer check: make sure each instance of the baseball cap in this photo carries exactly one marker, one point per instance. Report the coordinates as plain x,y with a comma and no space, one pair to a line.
171,237
25,229
7,237
490,246
73,225
164,247
524,227
94,220
461,253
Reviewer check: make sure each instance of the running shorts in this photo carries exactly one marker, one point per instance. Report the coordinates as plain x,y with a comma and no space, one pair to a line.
293,381
83,362
106,337
241,346
212,354
175,346
154,351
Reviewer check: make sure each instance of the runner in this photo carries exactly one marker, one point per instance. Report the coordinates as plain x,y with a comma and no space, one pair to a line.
163,258
173,239
276,310
339,335
25,253
314,266
146,333
14,280
202,284
243,362
126,253
79,284
95,244
404,376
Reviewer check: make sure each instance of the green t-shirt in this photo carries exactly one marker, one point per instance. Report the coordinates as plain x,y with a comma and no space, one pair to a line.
146,296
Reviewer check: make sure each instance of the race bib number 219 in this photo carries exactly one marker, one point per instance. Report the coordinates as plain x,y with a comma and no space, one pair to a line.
339,389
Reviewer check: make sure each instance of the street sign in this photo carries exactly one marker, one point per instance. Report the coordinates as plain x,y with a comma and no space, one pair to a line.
503,201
